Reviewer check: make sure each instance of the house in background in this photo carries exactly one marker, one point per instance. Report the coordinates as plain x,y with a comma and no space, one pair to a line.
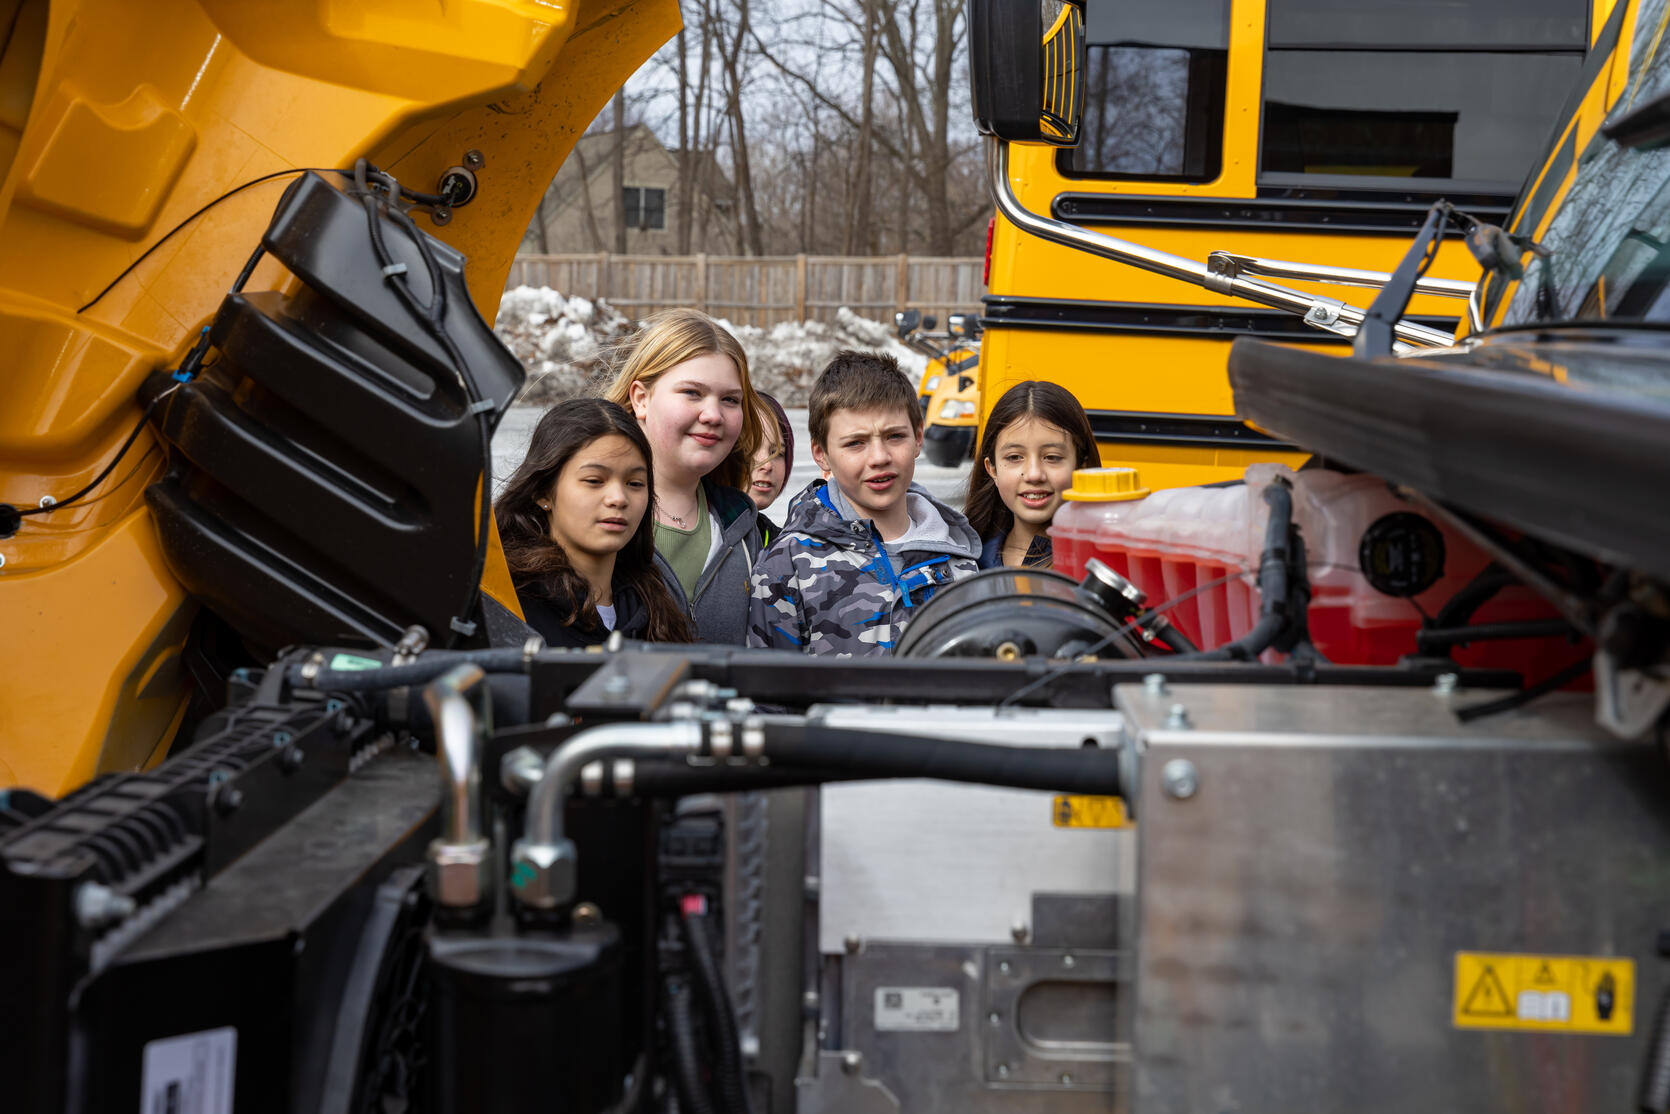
578,212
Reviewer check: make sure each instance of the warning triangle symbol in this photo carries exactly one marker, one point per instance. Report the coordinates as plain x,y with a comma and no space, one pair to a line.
1487,998
1545,976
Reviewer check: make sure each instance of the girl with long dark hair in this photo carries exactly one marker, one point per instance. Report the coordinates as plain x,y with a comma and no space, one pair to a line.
577,533
1036,436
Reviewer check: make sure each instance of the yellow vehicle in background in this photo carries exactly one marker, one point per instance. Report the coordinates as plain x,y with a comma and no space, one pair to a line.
949,391
1316,130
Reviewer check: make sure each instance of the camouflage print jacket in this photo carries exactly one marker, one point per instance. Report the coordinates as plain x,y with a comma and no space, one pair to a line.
827,585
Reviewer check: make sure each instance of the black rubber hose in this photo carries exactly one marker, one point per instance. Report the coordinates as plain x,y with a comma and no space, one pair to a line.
503,659
1272,585
730,1081
686,1054
1439,639
872,754
1175,640
1459,608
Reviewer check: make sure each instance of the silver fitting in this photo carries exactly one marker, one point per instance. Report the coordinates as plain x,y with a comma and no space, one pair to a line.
753,738
591,779
1445,683
1179,779
625,773
413,642
719,739
458,875
531,648
1177,717
542,874
97,904
1154,684
520,771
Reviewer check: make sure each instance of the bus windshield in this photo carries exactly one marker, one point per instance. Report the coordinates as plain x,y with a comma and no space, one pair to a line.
1607,243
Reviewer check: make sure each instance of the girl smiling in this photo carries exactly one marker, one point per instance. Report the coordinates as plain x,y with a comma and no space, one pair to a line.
1036,436
685,380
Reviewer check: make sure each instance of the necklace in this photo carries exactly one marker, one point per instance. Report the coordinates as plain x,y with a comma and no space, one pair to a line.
678,520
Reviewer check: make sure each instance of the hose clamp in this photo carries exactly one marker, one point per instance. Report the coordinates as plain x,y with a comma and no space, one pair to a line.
531,648
753,738
625,773
591,779
720,739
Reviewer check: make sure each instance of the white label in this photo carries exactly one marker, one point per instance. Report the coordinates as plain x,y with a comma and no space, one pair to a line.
190,1074
916,1009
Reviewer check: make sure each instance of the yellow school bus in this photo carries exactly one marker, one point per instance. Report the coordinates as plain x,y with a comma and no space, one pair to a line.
1249,134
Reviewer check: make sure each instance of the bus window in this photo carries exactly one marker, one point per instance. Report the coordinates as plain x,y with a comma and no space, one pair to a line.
1154,91
1353,89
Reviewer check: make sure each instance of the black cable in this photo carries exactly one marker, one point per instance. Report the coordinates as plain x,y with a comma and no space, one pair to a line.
144,417
166,236
422,671
729,1079
1525,695
432,317
685,1049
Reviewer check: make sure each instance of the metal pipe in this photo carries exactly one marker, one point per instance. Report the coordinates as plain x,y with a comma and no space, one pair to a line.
615,740
1337,276
544,863
1327,314
457,750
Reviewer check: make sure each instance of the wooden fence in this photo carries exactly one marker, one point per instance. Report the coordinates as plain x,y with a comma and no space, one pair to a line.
762,290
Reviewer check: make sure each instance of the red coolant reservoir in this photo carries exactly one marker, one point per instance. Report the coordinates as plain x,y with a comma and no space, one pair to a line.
1375,563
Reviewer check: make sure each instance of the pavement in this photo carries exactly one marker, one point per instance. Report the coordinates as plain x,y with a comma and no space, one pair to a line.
511,442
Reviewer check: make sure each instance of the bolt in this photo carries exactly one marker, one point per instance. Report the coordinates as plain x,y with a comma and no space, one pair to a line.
474,159
291,760
441,214
1444,684
1003,968
994,1018
811,885
97,904
1154,684
47,501
1003,1071
1177,718
282,738
1069,962
586,913
851,1061
1066,1079
1019,931
228,799
853,943
810,1002
617,687
333,705
1179,779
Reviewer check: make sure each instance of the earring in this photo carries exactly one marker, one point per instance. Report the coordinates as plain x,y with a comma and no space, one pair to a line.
544,506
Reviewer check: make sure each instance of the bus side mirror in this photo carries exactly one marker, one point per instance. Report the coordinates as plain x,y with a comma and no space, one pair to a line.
1026,69
963,325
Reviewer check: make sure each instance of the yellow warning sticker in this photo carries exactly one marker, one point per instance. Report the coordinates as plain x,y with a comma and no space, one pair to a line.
1090,812
1544,993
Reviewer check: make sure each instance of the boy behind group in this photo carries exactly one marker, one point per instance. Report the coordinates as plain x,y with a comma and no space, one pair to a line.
859,552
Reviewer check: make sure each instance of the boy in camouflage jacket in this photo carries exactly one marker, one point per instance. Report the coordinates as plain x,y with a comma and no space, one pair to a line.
860,552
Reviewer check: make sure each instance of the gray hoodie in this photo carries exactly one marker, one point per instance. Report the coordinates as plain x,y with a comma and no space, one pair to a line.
719,606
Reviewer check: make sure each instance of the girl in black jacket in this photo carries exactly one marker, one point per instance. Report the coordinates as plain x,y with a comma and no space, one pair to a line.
577,534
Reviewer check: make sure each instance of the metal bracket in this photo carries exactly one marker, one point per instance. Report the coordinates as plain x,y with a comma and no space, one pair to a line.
1324,314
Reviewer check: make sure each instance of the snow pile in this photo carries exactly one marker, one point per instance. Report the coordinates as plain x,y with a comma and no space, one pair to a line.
563,342
565,345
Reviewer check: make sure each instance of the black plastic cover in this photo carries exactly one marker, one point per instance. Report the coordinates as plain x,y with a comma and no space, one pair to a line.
1560,433
327,463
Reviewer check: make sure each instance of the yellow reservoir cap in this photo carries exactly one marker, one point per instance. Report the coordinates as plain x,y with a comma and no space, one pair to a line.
1105,485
